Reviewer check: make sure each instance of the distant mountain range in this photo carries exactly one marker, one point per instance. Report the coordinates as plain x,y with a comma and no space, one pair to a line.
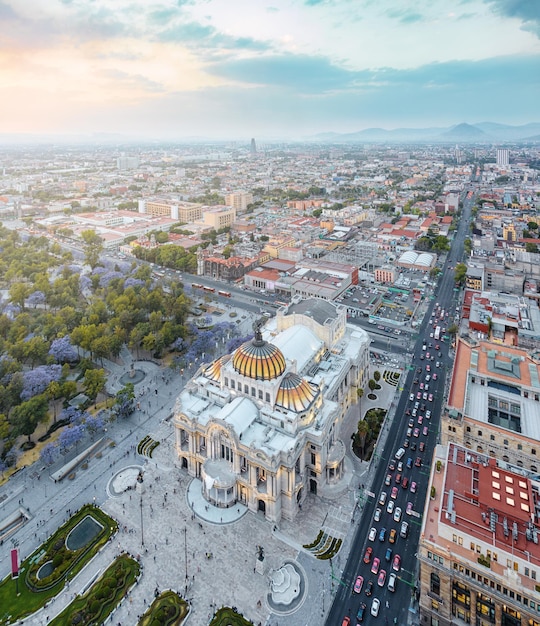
483,132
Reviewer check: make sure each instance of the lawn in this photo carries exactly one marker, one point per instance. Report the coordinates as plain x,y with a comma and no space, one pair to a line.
229,617
168,609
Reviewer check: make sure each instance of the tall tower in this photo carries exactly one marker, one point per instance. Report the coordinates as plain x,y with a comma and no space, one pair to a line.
253,147
503,157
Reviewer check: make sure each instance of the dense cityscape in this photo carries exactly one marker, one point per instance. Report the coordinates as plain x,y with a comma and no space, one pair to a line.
270,383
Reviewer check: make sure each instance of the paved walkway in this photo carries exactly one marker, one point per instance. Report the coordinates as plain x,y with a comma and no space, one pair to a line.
207,554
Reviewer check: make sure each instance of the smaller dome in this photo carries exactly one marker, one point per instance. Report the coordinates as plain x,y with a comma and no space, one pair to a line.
213,371
259,359
295,393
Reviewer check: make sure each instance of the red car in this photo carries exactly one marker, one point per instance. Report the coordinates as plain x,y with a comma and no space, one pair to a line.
396,563
367,555
375,565
358,584
382,578
394,493
430,397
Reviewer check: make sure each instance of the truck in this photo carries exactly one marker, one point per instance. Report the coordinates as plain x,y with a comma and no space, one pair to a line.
437,333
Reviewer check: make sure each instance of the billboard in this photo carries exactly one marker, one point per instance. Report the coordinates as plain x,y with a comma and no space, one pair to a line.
14,563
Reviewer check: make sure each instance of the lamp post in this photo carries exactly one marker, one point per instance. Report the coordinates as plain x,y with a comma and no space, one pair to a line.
141,489
185,557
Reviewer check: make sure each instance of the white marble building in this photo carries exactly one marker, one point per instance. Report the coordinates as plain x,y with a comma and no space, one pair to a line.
261,426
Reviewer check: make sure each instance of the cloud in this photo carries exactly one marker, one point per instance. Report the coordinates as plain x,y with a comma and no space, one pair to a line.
528,11
405,16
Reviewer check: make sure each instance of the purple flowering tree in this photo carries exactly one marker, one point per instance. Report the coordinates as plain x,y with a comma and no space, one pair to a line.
49,454
70,436
35,299
37,380
63,351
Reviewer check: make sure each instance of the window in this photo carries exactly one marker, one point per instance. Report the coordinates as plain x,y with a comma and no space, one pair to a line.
246,389
533,451
260,394
313,459
505,442
233,385
226,381
519,446
492,437
468,429
479,433
253,391
435,584
267,397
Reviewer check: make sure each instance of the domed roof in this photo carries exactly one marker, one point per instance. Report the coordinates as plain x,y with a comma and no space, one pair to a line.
213,371
295,393
259,359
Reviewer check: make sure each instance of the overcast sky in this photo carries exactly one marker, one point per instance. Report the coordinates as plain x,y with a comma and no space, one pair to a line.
257,68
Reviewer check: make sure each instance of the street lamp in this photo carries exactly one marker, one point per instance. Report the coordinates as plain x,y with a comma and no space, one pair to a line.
185,556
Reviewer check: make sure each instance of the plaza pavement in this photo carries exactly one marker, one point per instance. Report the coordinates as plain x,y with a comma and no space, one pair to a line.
206,554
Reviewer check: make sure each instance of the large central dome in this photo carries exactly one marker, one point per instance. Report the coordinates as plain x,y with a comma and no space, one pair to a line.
259,359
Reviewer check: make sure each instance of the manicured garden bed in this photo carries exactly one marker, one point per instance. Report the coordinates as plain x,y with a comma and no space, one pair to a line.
28,594
168,609
103,596
229,617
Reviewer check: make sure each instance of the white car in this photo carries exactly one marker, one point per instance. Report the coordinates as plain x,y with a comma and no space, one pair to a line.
397,514
372,534
390,507
377,515
375,606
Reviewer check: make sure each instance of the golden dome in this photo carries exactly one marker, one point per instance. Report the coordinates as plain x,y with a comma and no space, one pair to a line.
259,359
295,393
213,371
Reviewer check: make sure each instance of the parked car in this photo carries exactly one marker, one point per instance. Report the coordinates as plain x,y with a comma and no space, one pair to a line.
372,534
361,612
382,534
396,563
392,582
413,487
397,514
388,555
409,508
382,578
369,588
392,536
377,515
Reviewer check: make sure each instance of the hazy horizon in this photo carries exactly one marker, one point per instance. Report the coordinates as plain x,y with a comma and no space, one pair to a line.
226,69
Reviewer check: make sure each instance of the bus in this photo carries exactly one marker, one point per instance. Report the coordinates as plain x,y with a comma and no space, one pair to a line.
209,289
437,332
197,286
225,294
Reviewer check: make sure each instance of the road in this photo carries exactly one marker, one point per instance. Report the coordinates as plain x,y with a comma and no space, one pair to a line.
421,371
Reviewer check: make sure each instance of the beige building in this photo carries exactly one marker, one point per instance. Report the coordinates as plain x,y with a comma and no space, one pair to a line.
479,555
239,201
185,212
261,426
218,216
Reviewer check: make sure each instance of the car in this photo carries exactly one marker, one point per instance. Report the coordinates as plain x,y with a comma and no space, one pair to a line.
414,412
400,466
409,432
421,357
375,565
377,515
392,466
439,354
430,397
409,508
430,345
413,445
413,487
405,482
392,582
415,381
408,412
418,395
361,612
409,463
397,514
406,443
420,419
358,584
346,621
428,368
437,346
404,530
411,423
416,432
438,364
424,396
428,415
388,479
382,498
382,578
428,355
421,385
423,407
392,535
390,507
416,405
411,397
368,554
398,479
388,555
369,588
425,431
372,534
418,370
393,495
422,446
428,377
396,563
375,606
418,462
434,376
382,534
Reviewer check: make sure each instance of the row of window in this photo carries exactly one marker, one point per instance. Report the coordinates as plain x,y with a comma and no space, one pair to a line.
247,390
505,441
533,605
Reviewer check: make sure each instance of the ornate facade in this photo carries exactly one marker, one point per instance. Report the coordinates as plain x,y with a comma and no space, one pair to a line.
261,426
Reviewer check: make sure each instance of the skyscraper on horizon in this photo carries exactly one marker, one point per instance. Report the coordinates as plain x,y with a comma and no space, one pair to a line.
253,147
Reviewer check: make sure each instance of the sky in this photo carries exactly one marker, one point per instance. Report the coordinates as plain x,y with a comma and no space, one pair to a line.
235,69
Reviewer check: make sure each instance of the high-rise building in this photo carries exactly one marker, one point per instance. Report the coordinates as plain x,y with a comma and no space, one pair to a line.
239,200
253,147
124,162
503,157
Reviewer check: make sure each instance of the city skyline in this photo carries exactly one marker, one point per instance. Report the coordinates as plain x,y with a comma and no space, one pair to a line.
283,68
